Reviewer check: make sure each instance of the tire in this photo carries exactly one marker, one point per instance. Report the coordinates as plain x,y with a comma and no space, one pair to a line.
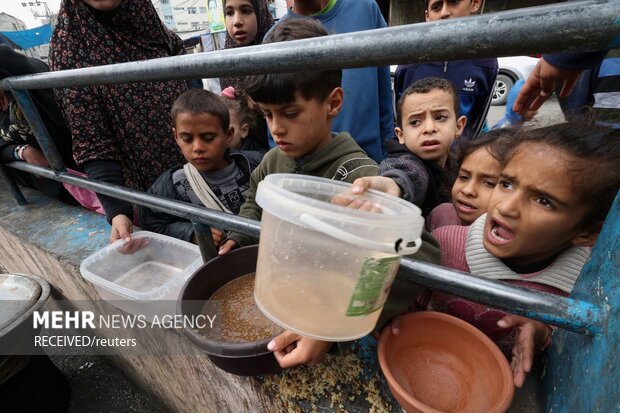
502,87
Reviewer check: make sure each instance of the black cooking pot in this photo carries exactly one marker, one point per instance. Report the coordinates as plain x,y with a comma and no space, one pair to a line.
244,359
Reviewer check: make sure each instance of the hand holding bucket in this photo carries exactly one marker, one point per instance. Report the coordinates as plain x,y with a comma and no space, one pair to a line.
324,270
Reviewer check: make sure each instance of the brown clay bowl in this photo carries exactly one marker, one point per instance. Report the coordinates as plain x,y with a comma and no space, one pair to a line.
441,364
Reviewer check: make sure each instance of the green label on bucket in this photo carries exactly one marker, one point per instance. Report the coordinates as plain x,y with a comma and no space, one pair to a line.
373,286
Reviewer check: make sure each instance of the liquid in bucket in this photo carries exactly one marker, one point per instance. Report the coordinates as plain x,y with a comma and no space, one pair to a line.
323,270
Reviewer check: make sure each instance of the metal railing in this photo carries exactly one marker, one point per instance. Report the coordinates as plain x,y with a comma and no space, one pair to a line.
573,26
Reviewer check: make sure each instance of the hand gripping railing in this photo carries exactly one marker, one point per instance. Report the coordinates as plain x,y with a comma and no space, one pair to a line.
572,26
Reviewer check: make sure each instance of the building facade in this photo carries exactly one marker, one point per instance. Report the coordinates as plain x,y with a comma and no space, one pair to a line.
9,23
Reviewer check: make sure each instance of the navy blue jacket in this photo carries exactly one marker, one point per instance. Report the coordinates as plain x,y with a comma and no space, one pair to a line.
474,81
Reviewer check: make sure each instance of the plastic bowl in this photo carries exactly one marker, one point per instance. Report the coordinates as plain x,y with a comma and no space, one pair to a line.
244,359
439,364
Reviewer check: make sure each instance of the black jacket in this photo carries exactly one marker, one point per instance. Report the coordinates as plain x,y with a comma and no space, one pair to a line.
178,227
13,63
423,183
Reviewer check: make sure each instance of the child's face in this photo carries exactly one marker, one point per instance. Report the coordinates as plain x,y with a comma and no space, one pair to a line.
429,125
202,140
302,126
238,131
534,211
448,9
241,23
103,5
474,184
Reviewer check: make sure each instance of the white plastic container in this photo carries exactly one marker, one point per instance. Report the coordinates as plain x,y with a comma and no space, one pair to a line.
147,281
324,270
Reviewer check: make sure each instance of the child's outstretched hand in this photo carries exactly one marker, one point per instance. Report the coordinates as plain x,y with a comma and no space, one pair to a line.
531,336
379,183
291,349
227,247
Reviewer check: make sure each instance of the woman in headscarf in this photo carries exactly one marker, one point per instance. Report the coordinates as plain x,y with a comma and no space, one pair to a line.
122,134
247,22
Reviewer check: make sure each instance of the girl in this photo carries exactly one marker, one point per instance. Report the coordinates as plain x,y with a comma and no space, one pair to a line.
247,22
479,167
555,189
249,132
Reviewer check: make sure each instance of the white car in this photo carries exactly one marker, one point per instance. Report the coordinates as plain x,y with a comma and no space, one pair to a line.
511,69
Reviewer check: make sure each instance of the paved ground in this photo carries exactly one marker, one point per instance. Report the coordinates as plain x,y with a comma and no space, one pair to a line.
549,113
98,387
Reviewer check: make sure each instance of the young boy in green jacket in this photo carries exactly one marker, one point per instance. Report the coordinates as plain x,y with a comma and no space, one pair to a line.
299,109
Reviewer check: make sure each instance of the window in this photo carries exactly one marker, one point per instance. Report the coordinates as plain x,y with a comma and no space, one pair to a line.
168,18
178,8
203,9
191,10
195,24
165,1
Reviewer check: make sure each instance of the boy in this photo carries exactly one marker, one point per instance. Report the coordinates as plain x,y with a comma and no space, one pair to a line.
299,109
214,177
367,112
428,122
474,79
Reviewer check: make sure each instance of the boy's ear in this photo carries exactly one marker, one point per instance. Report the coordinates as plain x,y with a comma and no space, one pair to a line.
460,126
475,6
588,237
399,134
174,132
334,102
229,135
245,130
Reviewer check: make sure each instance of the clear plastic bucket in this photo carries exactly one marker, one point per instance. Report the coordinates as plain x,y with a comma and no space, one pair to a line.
324,270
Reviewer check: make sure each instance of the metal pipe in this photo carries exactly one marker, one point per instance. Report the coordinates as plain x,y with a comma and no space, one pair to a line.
177,208
202,233
12,185
570,26
40,131
573,315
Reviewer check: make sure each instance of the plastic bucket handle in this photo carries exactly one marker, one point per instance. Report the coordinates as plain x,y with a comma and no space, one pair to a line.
332,231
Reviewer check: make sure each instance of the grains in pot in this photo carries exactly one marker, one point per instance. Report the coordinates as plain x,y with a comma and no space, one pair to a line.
240,320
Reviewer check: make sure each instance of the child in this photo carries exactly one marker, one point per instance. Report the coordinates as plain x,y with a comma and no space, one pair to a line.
428,122
473,79
555,189
247,22
249,132
214,177
479,168
367,113
299,108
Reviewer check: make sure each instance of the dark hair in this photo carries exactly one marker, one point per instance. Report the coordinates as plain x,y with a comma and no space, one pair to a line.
246,115
426,85
197,101
280,88
497,142
595,153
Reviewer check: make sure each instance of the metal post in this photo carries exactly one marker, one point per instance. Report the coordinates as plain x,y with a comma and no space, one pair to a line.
202,231
570,26
582,372
40,131
177,208
12,185
568,313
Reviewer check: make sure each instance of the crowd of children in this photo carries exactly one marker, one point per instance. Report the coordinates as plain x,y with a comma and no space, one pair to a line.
518,204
